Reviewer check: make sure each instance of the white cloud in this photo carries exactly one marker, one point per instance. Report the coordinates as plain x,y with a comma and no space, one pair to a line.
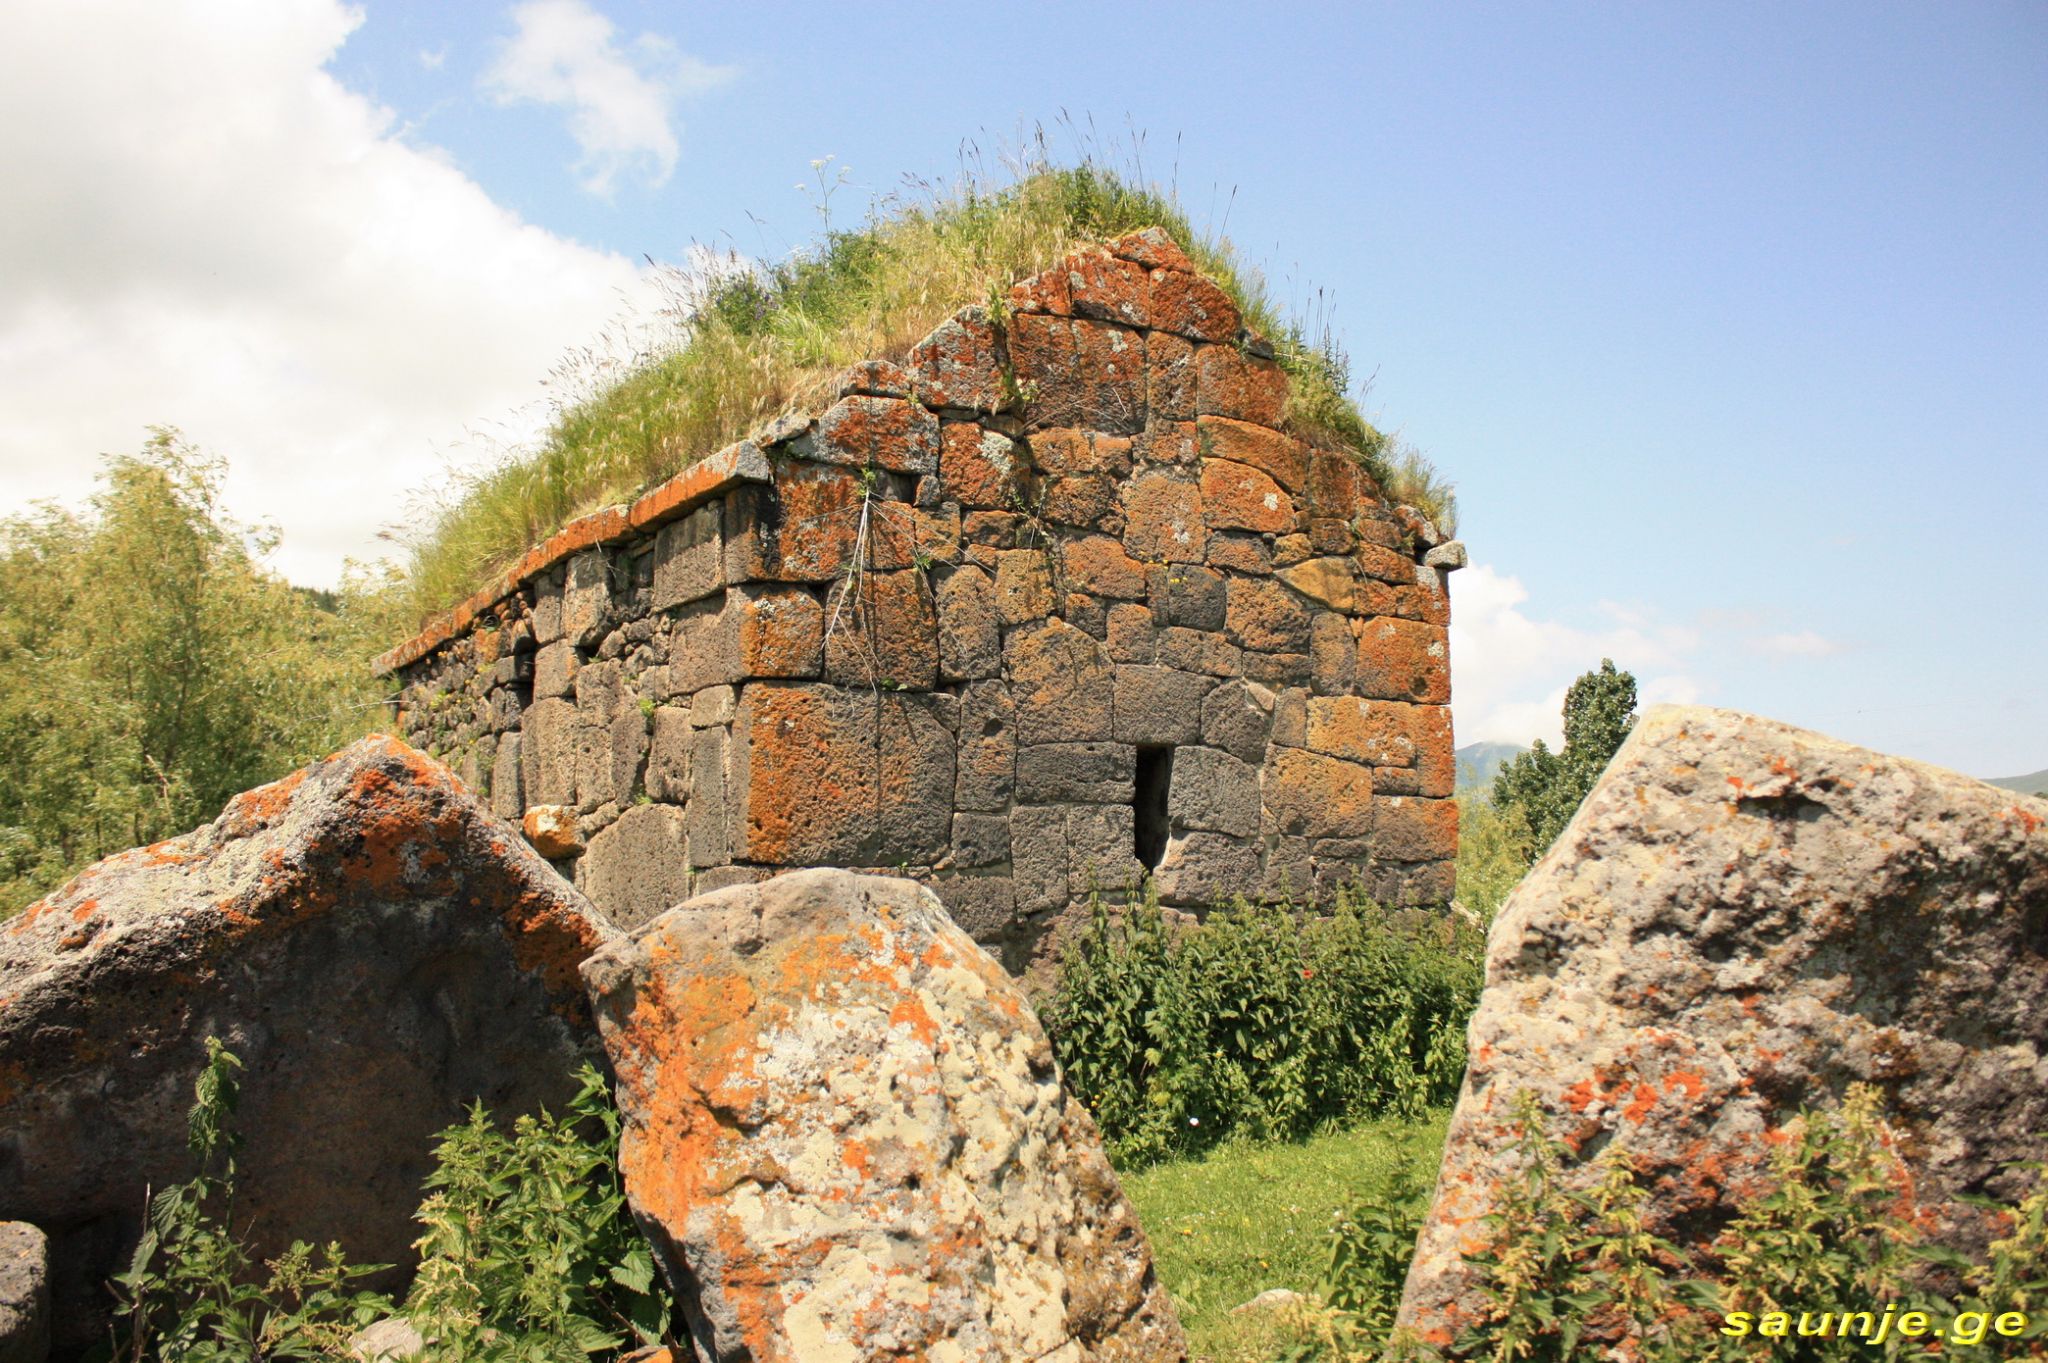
205,229
621,100
435,60
1510,670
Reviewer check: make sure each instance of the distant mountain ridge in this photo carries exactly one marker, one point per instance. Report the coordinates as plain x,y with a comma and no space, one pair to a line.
1477,762
2035,784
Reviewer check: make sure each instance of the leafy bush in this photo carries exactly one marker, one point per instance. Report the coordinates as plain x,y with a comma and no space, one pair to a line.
529,1252
1494,850
1261,1023
189,1295
1573,1272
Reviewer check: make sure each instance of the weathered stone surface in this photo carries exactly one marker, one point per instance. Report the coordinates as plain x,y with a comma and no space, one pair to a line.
1240,497
554,670
1744,918
1213,791
551,831
689,557
1332,654
1188,595
1129,634
1405,828
1240,552
1069,451
391,1340
1280,457
1083,373
508,791
970,634
1188,305
987,770
1163,518
775,632
1098,565
888,433
1314,796
1101,850
638,867
24,1293
713,797
548,755
1405,660
981,840
1061,681
374,946
1238,717
839,775
1231,384
1038,852
847,1132
960,363
985,906
1169,377
1202,870
884,632
981,468
1200,650
1264,616
1158,704
1096,773
803,529
586,597
668,755
1023,586
1329,582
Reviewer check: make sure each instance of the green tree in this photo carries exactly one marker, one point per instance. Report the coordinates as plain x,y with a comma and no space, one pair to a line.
151,667
1547,787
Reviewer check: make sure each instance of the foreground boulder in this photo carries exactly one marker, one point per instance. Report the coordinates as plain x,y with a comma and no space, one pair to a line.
846,1136
1745,918
376,950
24,1294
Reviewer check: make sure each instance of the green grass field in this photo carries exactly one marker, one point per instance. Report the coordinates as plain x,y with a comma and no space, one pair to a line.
1248,1218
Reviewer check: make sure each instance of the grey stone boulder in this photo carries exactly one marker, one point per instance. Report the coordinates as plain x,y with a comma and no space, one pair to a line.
846,1136
374,946
1744,918
24,1293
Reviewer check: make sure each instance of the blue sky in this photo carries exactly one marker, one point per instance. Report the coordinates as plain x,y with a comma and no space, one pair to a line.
1730,322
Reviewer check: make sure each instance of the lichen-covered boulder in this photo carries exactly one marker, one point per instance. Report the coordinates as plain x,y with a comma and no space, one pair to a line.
1743,919
24,1293
847,1138
373,946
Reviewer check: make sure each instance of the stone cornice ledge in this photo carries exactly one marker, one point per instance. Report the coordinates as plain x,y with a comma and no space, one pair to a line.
709,477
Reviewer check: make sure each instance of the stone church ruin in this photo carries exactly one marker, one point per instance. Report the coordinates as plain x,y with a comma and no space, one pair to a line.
1054,604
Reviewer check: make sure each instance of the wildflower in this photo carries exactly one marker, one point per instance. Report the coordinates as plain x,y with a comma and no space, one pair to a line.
1308,974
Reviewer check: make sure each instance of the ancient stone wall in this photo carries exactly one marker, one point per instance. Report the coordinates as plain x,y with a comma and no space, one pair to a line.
1050,605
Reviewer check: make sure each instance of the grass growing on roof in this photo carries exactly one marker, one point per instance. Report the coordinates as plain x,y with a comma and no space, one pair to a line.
748,345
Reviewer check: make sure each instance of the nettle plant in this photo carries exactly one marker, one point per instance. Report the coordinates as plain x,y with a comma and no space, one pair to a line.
1263,1022
528,1252
1571,1270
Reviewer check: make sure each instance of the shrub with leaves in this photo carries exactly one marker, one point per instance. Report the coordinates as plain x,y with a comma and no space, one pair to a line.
1547,787
1261,1023
529,1251
190,1296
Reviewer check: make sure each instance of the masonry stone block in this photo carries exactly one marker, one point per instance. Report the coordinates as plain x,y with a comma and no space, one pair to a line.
981,839
1229,383
960,364
1038,843
985,906
775,631
1158,704
982,468
1408,828
1023,586
970,634
889,433
1240,497
639,867
548,753
1213,791
1098,565
1314,796
689,557
1056,773
586,598
554,670
884,631
986,777
668,755
1062,682
1237,717
713,801
508,790
1405,660
1170,377
1188,595
803,529
1129,633
1267,617
1101,850
1199,650
1203,870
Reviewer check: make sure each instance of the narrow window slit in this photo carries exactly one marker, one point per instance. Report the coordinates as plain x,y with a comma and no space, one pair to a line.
1148,803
